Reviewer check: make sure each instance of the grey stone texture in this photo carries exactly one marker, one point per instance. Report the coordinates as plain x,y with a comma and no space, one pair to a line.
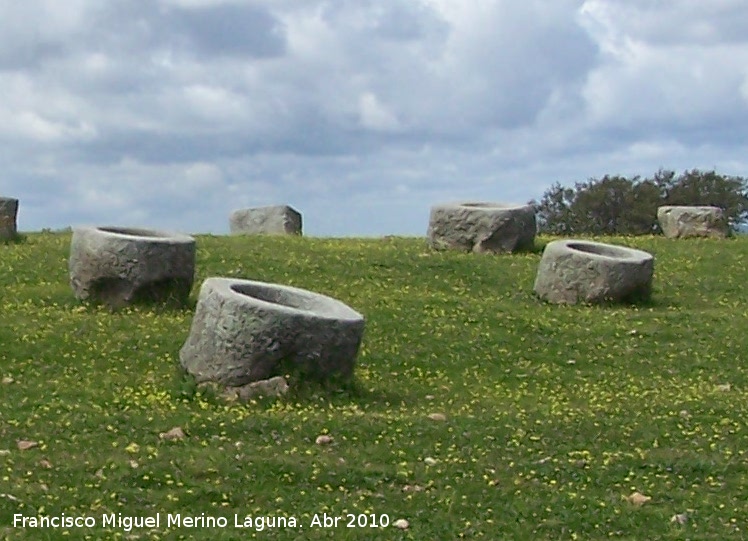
274,387
696,221
118,265
273,220
580,271
482,227
269,388
245,331
8,217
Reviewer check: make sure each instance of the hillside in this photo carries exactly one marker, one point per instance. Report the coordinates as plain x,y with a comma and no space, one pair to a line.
553,416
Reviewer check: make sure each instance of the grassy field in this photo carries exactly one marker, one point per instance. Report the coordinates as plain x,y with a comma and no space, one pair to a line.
553,416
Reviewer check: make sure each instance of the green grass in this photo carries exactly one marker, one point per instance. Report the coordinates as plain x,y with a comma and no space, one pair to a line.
554,414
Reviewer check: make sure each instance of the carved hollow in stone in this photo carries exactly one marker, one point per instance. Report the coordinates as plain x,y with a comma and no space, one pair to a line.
245,331
118,266
8,218
482,227
273,220
574,271
684,222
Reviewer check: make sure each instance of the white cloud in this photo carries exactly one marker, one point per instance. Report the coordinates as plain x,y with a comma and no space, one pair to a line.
375,115
667,70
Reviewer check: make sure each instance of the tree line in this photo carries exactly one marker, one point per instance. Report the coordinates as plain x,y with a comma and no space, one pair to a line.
617,205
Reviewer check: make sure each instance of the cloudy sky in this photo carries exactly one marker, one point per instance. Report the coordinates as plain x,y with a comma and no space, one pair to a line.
359,113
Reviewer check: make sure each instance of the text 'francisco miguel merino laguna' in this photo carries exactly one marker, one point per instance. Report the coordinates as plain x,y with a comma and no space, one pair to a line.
172,520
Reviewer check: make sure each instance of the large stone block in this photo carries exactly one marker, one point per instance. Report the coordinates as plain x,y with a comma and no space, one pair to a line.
574,271
274,220
482,227
685,221
117,265
8,218
246,331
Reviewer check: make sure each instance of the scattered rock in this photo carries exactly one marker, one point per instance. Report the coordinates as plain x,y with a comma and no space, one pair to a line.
44,463
324,439
175,434
723,388
679,518
25,445
430,461
638,499
437,417
273,387
693,221
401,523
7,380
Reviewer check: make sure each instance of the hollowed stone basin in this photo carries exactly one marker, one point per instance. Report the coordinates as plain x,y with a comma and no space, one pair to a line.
121,265
573,271
693,221
272,220
482,227
8,218
246,331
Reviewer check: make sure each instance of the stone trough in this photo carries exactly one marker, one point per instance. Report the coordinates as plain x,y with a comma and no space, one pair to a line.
273,220
482,227
118,265
684,222
580,271
245,331
8,218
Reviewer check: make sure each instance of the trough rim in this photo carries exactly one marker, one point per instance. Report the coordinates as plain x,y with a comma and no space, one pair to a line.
340,311
484,206
148,235
626,253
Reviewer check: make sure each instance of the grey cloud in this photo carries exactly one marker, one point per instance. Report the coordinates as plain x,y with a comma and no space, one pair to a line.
396,20
22,55
498,70
233,29
687,22
225,29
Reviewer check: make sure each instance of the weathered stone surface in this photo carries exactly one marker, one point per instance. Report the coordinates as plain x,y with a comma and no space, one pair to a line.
273,387
274,220
684,222
8,217
117,266
245,331
482,227
573,271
